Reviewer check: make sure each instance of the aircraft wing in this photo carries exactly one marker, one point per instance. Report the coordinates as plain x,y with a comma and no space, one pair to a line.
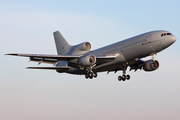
50,68
52,59
45,56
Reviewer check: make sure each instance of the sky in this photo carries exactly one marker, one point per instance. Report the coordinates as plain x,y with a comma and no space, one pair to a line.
28,26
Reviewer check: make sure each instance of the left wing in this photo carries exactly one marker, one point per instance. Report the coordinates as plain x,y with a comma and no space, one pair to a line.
100,59
44,58
50,68
52,59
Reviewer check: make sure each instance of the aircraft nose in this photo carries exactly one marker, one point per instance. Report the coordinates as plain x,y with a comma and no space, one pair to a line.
168,41
173,39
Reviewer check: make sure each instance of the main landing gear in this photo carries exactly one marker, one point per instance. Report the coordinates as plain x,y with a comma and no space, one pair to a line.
124,76
90,74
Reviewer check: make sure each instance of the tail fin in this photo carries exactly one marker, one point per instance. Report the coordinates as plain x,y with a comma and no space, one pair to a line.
62,45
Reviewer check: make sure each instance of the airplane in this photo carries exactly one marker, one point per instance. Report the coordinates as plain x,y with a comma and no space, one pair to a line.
81,60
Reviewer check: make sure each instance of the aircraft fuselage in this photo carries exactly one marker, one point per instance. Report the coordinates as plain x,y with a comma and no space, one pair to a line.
79,60
130,49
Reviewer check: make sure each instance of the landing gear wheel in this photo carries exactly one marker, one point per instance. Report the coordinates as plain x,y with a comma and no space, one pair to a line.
86,76
124,77
90,75
95,75
119,78
128,77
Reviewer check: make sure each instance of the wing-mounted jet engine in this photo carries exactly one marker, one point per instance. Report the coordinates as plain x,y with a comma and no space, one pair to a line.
148,66
151,65
87,60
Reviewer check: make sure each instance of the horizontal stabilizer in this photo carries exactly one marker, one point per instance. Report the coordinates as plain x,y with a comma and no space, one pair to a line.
50,68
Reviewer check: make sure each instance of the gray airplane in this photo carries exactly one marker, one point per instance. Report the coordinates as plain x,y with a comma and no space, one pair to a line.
80,60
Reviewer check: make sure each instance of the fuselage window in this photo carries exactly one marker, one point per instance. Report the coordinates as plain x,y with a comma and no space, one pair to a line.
161,35
164,34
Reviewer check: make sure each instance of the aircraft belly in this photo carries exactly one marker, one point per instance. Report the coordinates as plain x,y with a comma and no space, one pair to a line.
110,67
76,71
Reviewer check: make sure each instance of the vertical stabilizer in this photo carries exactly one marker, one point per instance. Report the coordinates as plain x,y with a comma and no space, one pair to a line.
62,45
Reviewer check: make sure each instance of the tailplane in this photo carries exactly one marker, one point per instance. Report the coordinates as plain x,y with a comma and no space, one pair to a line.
62,45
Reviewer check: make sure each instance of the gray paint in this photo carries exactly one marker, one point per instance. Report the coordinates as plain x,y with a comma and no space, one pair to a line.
109,58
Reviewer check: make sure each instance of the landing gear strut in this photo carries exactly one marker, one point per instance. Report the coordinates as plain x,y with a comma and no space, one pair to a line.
90,74
124,76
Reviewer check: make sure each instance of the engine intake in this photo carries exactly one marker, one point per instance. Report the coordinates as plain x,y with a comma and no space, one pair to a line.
87,60
80,49
151,65
85,46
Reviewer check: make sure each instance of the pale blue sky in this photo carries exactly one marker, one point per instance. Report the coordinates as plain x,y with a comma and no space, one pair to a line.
27,27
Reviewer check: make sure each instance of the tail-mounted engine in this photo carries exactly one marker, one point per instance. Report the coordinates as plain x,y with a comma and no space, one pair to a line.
87,60
151,65
85,46
80,48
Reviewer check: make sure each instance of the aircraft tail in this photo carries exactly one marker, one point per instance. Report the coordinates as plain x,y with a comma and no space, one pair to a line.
62,45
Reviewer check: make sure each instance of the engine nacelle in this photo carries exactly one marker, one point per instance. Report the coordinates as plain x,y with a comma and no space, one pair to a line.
87,60
151,65
85,46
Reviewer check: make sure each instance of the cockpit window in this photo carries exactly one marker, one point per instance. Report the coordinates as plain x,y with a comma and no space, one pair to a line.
164,34
169,34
